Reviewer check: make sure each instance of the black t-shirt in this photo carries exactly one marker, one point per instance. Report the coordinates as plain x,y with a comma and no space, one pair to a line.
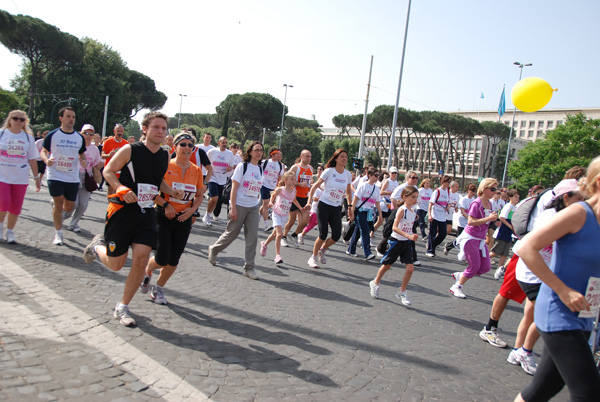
148,167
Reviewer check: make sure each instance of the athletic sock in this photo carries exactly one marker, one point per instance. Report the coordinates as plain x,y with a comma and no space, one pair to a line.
294,235
526,351
491,324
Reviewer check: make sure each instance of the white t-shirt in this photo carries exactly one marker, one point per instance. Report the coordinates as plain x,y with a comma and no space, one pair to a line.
367,193
424,198
439,199
237,159
465,203
506,213
249,189
406,223
453,203
335,186
271,173
65,148
16,150
205,148
220,161
497,205
39,145
315,204
522,272
397,194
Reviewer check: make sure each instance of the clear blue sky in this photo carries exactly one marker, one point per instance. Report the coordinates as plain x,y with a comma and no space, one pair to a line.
455,51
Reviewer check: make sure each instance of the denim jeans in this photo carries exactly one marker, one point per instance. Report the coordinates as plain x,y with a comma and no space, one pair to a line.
361,229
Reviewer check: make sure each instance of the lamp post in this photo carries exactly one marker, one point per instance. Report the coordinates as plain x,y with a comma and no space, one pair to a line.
512,124
180,103
283,112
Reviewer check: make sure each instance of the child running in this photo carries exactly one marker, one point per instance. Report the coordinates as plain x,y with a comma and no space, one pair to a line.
401,244
312,217
281,201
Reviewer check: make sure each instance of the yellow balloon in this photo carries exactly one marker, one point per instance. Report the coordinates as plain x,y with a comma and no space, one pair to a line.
531,94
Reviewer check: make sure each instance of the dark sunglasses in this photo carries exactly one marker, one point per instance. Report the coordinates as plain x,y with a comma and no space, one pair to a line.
493,189
21,119
413,177
89,133
186,144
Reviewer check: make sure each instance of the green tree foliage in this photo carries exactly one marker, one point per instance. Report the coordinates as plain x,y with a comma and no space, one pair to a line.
133,128
8,101
43,46
251,112
298,140
494,133
545,161
292,123
327,148
373,159
195,119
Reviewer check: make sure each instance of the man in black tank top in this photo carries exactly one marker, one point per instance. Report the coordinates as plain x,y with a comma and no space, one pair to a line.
131,219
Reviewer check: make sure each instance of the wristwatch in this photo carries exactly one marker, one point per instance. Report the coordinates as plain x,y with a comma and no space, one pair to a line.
165,204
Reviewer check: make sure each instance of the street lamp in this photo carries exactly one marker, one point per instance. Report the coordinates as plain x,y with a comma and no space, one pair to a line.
180,103
283,112
512,124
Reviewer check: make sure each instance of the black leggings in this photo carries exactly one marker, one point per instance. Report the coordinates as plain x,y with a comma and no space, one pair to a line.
566,359
328,215
172,239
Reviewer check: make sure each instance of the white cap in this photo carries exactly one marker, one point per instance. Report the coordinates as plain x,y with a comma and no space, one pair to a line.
87,127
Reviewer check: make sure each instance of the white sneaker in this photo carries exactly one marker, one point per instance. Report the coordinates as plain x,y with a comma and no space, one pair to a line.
321,255
369,257
499,274
58,239
75,229
417,263
249,273
10,237
403,298
214,217
513,357
492,337
430,255
263,249
350,254
284,242
527,362
456,276
379,255
456,290
124,316
300,239
312,262
157,295
206,220
374,289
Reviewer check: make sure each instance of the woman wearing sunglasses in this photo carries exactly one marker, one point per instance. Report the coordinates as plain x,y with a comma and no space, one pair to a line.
17,150
173,216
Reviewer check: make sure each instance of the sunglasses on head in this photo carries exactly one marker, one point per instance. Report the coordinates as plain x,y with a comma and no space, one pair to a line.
186,144
21,119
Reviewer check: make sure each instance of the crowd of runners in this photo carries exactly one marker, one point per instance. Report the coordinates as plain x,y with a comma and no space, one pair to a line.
155,188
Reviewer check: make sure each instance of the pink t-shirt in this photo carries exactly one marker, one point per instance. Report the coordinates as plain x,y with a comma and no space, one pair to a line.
284,201
477,211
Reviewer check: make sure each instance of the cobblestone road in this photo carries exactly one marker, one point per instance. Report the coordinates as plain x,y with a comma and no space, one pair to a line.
298,334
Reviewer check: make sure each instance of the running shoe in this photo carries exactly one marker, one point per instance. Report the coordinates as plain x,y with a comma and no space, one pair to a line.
369,257
322,258
492,337
513,357
379,255
58,239
403,298
263,249
446,249
124,316
294,239
300,239
284,242
351,254
145,286
89,253
212,257
374,289
75,229
499,274
312,262
10,237
456,276
430,255
249,273
456,290
527,362
214,217
416,263
425,238
278,259
206,220
157,295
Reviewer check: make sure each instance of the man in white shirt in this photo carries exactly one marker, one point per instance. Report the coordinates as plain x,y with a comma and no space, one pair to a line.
221,160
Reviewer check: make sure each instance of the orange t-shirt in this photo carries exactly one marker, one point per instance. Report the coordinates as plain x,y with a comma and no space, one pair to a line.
303,175
111,144
190,184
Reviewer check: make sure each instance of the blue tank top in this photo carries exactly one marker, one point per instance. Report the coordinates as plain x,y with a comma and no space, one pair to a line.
575,259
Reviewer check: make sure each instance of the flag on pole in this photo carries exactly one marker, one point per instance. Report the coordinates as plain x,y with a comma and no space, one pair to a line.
481,95
502,105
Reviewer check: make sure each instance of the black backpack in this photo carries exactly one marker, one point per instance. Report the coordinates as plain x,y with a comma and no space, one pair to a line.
386,233
522,215
229,183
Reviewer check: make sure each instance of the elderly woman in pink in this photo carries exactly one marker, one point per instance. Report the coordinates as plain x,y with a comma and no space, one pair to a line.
17,151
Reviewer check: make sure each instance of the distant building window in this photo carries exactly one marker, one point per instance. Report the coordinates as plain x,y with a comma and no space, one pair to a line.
523,123
559,122
540,133
506,122
522,133
515,124
541,124
530,134
550,124
532,124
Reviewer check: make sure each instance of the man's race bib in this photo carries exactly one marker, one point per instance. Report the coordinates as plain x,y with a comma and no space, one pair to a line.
189,191
66,163
146,194
304,178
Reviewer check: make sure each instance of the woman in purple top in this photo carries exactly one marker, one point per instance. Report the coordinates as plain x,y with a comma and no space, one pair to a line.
472,240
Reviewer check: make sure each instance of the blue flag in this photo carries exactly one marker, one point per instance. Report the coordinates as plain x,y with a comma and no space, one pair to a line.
502,105
481,95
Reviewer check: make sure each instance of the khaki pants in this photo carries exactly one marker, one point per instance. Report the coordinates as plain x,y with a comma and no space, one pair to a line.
248,218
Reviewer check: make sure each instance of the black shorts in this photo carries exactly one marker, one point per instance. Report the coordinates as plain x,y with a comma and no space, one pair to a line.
41,167
402,249
449,222
301,201
172,239
127,226
68,190
531,289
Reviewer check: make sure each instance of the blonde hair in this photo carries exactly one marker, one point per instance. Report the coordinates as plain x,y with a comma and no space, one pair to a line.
486,183
284,177
593,174
425,181
8,121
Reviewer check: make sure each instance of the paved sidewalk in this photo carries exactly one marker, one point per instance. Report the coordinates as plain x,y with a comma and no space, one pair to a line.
297,334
